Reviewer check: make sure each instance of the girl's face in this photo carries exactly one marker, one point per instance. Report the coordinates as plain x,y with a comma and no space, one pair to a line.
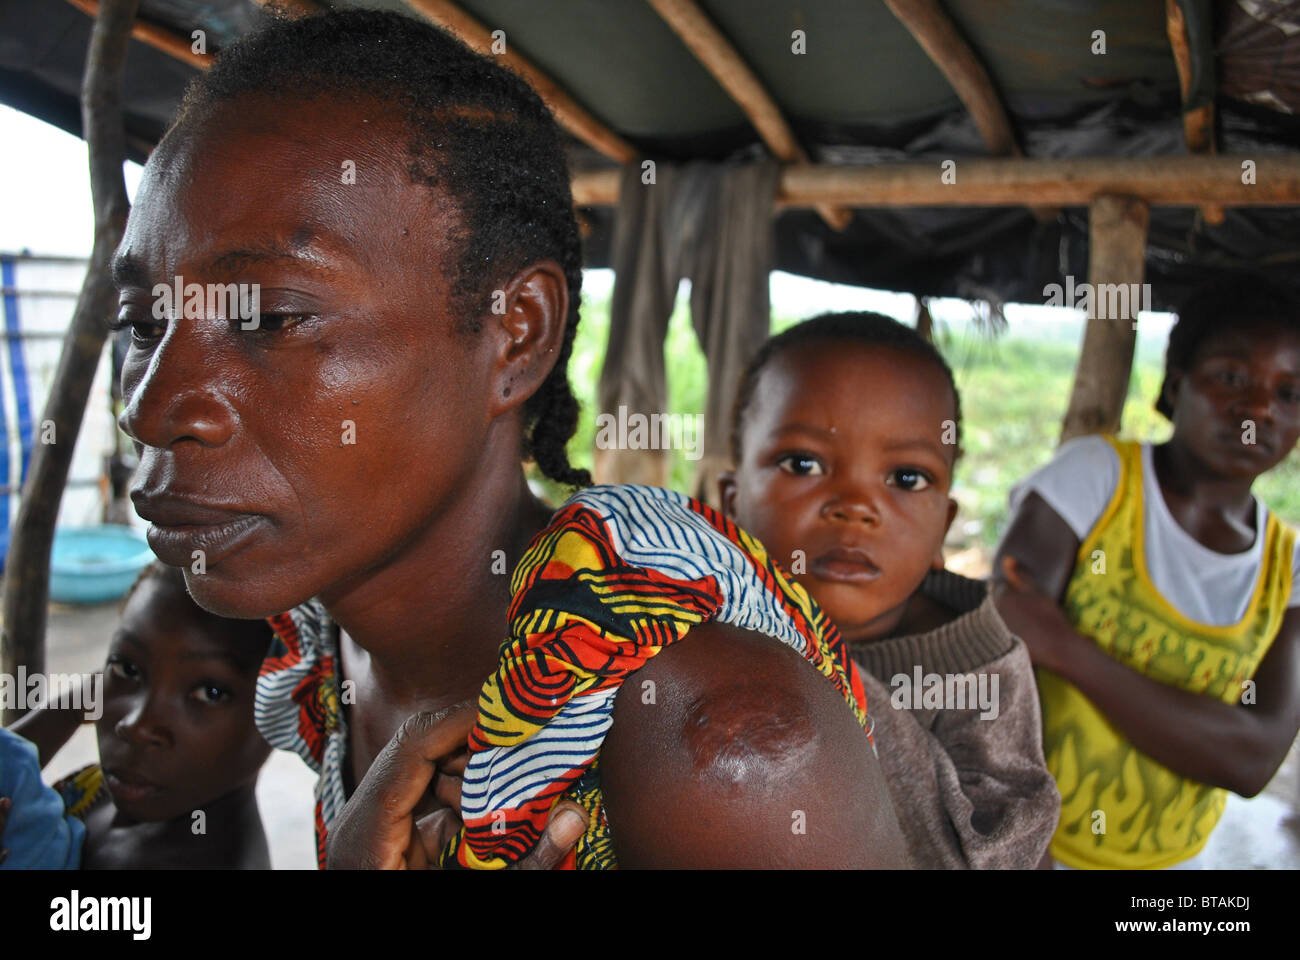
844,476
294,458
1237,407
177,730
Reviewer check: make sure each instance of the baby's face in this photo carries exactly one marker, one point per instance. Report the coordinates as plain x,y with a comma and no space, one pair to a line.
177,730
844,476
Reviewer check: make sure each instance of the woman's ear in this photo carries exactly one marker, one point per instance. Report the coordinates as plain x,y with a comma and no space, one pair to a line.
526,322
727,493
936,562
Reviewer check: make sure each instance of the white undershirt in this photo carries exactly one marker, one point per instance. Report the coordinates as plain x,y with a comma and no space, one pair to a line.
1204,586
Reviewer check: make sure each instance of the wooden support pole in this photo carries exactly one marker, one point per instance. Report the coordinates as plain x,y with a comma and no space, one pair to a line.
1161,181
1117,236
160,38
567,112
717,55
1198,123
27,569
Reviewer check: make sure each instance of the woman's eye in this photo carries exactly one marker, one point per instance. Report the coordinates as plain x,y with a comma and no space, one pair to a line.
122,669
801,465
143,329
273,322
913,480
210,693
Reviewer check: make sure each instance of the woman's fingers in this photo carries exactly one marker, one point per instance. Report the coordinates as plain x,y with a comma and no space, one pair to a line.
375,829
435,832
447,790
566,825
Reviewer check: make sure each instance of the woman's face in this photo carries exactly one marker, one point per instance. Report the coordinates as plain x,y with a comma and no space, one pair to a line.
292,459
1237,407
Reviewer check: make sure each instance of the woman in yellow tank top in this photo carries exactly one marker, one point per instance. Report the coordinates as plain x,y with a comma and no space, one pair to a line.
1166,629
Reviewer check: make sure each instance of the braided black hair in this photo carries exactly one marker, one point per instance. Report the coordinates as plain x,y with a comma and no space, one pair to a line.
861,327
1240,298
479,135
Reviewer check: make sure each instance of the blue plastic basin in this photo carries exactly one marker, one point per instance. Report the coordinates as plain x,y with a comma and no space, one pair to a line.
96,564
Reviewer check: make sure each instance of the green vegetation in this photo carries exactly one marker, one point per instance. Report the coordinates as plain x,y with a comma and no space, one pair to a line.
1014,394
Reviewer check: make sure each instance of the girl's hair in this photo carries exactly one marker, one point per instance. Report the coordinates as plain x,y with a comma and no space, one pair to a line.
867,329
260,635
478,135
1237,299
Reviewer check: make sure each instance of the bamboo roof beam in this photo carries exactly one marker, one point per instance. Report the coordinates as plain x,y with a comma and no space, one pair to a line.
160,38
1198,123
718,56
291,8
1160,181
568,112
937,35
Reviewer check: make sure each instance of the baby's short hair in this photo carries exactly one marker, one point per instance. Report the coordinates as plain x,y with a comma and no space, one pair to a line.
860,327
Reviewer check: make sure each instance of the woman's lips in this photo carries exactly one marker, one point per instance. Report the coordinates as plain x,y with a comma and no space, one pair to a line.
176,545
129,787
845,565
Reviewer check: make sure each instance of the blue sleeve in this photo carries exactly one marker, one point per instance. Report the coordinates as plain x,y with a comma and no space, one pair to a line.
40,834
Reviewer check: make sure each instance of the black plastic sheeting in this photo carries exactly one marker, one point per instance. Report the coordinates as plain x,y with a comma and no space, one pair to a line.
864,93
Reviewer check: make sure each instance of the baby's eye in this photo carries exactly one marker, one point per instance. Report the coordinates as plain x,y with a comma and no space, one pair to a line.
210,693
122,668
1289,395
1231,378
801,465
907,479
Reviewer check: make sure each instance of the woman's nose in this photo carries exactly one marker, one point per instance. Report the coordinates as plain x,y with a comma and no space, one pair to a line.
179,393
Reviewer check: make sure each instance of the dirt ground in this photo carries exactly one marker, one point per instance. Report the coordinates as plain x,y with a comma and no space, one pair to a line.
1261,833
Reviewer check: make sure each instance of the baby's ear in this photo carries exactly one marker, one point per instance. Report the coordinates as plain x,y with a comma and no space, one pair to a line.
936,562
727,493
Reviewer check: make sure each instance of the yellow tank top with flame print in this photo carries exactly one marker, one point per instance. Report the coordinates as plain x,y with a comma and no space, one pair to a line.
1120,808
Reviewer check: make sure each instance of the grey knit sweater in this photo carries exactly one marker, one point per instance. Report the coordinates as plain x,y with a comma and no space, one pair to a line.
970,787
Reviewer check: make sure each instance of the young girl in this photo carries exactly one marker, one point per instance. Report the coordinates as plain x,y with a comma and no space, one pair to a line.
845,434
178,752
1160,599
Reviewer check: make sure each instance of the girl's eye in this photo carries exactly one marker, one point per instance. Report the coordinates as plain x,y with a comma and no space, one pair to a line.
210,693
122,668
801,465
913,480
1231,378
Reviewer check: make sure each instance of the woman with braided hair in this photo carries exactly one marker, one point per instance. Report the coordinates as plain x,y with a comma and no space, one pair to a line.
347,463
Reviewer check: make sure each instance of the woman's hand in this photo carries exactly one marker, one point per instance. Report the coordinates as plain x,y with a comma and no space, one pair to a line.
392,823
1032,614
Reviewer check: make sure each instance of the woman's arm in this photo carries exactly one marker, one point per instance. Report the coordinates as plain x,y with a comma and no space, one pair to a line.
729,750
1235,746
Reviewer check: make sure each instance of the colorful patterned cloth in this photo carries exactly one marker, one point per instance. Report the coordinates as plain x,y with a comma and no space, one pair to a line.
619,574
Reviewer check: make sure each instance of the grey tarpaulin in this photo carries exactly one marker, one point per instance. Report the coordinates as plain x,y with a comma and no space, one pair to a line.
711,224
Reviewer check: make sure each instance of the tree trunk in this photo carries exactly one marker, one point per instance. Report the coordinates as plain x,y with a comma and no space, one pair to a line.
1117,235
27,572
